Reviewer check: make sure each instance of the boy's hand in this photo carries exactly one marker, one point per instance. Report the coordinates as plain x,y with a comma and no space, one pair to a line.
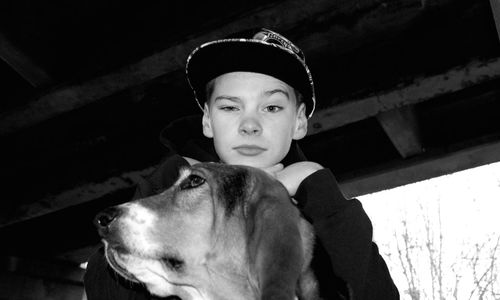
290,177
294,174
273,170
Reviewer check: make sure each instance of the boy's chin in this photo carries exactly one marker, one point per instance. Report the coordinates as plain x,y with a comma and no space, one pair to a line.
252,162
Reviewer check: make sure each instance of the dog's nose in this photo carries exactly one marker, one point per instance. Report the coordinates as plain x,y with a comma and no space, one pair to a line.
106,217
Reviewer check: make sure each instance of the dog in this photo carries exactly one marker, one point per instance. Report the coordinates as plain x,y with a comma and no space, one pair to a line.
219,232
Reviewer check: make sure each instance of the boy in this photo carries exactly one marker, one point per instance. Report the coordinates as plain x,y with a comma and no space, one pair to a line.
256,95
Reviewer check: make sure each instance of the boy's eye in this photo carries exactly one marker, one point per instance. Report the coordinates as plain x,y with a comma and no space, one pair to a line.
228,108
273,108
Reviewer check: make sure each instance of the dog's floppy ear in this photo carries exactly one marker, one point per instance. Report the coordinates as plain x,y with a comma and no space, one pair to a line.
275,246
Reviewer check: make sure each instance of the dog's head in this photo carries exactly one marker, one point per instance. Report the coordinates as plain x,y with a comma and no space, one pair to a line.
218,231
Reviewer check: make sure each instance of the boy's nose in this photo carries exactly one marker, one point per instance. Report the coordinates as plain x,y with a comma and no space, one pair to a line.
250,126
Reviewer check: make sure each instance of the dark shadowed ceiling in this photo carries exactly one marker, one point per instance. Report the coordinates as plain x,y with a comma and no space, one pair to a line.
407,90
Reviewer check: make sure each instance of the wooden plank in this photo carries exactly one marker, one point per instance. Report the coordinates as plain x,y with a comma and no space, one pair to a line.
23,64
75,196
333,117
422,169
414,170
420,90
297,14
401,126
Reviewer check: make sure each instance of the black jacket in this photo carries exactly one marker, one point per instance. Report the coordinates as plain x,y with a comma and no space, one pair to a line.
346,262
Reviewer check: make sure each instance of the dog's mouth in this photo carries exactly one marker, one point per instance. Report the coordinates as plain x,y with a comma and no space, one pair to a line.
119,258
114,258
158,283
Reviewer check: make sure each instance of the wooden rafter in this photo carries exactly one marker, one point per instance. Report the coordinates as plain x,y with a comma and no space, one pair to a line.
412,171
23,64
401,126
74,96
78,195
333,117
420,90
420,169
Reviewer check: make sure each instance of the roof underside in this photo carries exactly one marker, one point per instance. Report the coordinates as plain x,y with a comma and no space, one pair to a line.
407,90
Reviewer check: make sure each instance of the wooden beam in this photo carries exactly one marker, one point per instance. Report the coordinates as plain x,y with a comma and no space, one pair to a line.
420,90
401,126
495,8
75,196
414,170
297,14
23,64
419,169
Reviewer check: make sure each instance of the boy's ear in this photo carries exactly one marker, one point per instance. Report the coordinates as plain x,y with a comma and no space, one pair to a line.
206,123
300,123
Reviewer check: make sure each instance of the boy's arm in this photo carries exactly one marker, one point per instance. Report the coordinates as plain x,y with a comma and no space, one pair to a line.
346,234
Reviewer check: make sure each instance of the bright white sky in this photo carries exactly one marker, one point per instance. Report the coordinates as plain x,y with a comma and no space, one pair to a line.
470,206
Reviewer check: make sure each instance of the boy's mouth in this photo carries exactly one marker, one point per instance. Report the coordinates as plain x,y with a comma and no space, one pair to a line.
249,150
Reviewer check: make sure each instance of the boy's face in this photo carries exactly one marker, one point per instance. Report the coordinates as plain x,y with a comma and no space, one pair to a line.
253,119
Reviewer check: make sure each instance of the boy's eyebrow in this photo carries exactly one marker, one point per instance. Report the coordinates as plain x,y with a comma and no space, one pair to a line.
224,97
274,91
266,93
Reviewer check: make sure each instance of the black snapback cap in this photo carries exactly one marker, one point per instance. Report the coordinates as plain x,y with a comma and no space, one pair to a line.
263,51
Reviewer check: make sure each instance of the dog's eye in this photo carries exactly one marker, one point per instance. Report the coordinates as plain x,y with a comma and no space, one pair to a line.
192,181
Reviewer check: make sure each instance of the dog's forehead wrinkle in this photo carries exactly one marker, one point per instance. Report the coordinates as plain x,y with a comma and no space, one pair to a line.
233,189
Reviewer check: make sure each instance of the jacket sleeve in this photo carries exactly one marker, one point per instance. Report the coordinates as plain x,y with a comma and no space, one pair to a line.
345,231
100,281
